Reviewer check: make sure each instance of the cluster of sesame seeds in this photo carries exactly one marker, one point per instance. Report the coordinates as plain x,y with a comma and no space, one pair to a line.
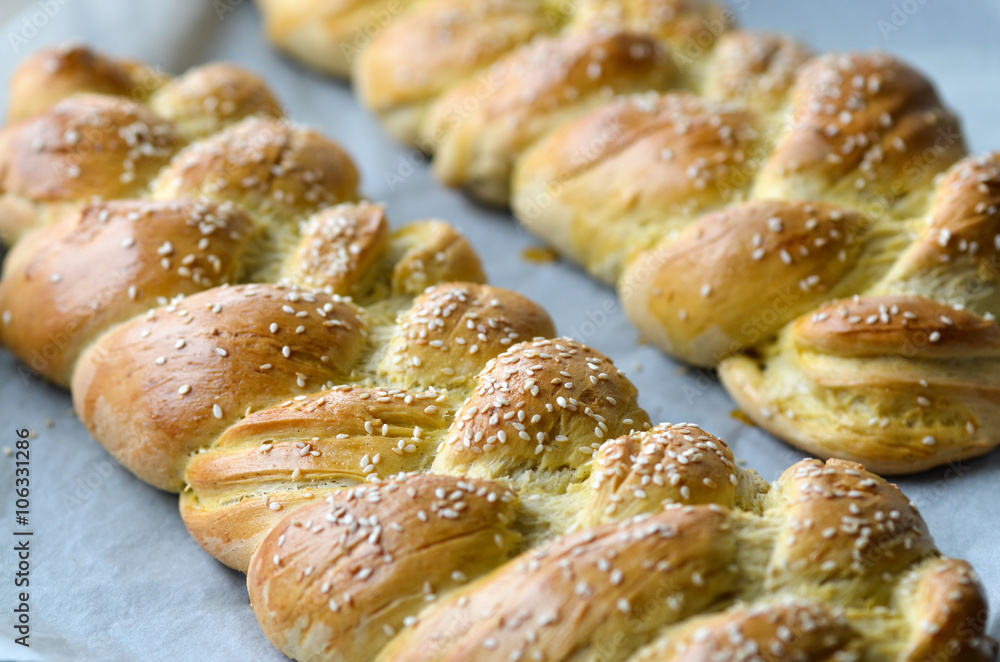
664,462
966,220
822,230
78,129
925,322
371,526
217,227
707,142
455,320
862,518
607,568
257,157
840,92
207,340
334,243
533,393
785,628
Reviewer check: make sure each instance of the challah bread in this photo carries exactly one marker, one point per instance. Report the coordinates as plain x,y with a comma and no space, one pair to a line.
410,467
747,183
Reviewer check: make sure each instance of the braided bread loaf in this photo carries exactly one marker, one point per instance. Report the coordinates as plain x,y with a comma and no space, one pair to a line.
409,467
745,196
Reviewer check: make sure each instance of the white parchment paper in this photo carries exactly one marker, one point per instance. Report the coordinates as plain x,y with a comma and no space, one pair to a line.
114,574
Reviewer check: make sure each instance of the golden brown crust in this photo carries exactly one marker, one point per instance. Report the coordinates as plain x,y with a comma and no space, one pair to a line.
437,44
338,248
943,602
535,89
597,590
68,282
897,325
788,630
452,330
281,172
161,386
539,405
83,147
840,524
211,97
337,580
615,181
52,74
955,257
857,121
695,295
667,464
429,253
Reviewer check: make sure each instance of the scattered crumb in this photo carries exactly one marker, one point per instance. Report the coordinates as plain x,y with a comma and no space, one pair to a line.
637,367
741,416
33,434
49,423
8,451
540,254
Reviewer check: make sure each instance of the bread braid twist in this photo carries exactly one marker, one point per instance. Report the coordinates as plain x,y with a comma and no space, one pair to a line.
410,467
747,188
